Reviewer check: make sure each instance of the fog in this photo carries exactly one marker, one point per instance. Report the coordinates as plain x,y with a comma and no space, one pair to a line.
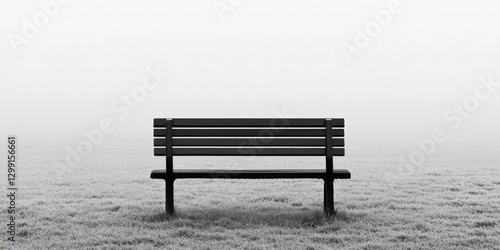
428,65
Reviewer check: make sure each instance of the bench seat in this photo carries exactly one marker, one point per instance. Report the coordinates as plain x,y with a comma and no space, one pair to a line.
252,174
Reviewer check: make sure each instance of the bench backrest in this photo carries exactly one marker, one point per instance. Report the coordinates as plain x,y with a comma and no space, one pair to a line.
247,136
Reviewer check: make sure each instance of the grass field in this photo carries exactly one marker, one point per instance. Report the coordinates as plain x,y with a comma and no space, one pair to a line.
451,202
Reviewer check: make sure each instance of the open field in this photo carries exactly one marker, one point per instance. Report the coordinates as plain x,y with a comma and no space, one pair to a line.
452,201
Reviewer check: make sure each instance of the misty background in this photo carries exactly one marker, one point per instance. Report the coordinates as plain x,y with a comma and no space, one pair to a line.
263,59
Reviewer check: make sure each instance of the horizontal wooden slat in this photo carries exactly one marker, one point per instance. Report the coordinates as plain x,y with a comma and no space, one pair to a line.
159,132
159,122
248,151
248,132
337,142
254,122
338,122
251,174
248,122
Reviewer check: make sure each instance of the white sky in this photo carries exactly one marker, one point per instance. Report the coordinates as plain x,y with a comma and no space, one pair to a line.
267,57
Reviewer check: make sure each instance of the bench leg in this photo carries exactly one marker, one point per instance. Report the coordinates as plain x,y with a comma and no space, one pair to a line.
169,189
325,201
328,199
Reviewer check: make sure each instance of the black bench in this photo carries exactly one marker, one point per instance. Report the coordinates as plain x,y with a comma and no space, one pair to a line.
249,137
